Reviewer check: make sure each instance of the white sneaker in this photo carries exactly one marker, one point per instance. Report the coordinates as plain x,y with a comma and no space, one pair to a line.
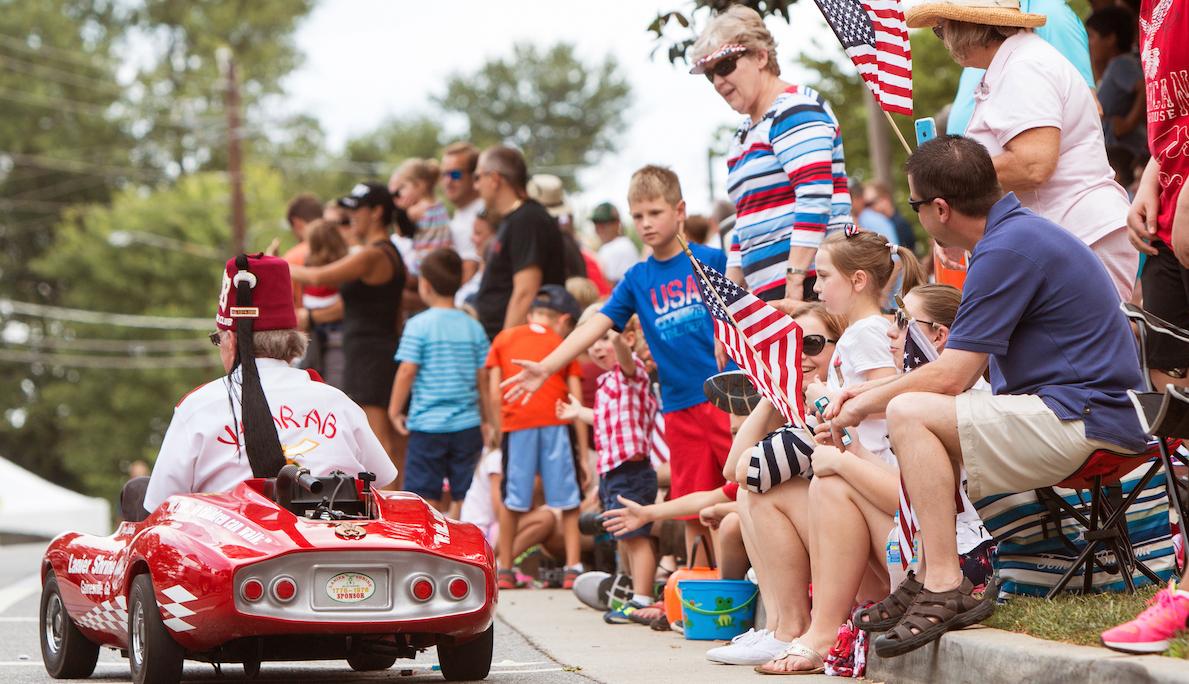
749,648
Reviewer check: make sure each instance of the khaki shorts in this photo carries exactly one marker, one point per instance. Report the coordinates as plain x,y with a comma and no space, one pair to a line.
1014,443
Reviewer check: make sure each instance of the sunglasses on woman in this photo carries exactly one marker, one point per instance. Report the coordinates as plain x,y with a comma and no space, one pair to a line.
812,345
903,319
723,67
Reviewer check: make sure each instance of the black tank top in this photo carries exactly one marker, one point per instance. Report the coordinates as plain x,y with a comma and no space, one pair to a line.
374,310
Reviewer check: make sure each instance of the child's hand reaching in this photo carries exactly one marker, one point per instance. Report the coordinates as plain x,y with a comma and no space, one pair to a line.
520,387
570,410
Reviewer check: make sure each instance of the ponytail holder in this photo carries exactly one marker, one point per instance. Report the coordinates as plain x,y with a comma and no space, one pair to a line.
892,248
850,230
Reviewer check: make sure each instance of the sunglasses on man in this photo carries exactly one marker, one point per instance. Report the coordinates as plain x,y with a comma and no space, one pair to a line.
453,174
723,67
216,338
812,345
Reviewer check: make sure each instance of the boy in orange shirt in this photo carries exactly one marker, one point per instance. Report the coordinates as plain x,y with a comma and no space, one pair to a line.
535,441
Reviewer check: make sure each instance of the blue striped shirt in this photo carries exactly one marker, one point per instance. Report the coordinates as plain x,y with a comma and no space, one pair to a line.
449,348
787,177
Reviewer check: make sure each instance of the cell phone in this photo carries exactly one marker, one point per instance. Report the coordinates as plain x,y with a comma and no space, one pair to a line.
821,404
926,130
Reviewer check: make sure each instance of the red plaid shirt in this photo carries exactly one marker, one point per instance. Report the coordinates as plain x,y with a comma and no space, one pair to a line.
626,417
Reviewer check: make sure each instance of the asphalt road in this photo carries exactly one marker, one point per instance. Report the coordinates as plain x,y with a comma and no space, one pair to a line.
515,660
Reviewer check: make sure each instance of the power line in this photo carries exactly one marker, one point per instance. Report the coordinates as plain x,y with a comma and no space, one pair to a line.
61,76
8,307
118,346
109,362
85,59
64,164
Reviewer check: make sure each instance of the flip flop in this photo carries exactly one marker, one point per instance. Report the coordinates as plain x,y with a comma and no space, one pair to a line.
800,650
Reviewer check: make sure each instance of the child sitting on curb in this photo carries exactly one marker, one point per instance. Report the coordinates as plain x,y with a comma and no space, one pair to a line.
624,419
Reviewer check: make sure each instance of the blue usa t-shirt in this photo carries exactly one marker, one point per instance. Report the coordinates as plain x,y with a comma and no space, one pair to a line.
1041,304
449,347
677,326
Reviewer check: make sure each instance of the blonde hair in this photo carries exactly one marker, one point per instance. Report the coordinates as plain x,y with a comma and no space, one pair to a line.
939,302
872,253
960,37
652,182
423,171
835,324
582,289
741,25
466,150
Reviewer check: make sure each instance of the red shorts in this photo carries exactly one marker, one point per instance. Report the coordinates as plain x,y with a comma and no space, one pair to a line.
699,440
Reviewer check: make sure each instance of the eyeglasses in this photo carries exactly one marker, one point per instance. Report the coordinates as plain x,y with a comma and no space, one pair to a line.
453,174
916,204
812,345
345,221
903,319
723,67
216,338
939,30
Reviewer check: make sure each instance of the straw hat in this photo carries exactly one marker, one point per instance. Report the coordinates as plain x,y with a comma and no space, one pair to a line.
989,12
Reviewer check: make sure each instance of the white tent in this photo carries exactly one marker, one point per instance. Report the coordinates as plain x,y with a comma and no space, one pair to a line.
32,506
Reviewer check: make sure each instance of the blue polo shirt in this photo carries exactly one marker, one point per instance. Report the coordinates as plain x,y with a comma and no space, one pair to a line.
1039,302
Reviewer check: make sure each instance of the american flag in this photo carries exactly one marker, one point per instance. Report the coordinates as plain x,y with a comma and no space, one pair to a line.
765,342
875,37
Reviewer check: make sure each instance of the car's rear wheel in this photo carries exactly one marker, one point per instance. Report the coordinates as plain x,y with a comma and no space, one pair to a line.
66,652
370,662
467,661
153,655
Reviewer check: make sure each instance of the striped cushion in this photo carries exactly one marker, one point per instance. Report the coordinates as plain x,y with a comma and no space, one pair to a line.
781,456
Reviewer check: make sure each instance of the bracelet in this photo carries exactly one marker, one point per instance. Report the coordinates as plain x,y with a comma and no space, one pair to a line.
795,271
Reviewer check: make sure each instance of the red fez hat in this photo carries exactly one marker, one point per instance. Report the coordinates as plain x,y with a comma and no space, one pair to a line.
272,295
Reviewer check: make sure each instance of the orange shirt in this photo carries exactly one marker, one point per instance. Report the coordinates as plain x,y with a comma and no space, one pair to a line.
532,342
296,256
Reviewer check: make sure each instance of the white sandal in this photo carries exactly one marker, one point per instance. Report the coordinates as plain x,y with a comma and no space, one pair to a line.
796,648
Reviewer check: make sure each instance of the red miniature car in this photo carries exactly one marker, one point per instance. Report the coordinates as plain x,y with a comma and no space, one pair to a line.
291,568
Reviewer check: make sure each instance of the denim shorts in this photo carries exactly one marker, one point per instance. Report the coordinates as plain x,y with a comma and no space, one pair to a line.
634,481
432,457
544,451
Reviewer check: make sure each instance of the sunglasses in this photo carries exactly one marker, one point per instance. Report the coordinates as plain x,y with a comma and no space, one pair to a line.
453,174
917,204
723,67
812,345
903,319
216,338
345,221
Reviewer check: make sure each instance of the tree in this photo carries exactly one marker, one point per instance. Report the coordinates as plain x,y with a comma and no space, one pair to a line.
561,112
107,417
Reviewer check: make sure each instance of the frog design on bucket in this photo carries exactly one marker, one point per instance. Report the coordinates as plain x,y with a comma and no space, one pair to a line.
724,603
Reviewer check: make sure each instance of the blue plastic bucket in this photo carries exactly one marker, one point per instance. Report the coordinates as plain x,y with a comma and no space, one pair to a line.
717,609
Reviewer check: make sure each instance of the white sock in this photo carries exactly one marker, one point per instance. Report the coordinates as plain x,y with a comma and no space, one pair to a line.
642,600
577,567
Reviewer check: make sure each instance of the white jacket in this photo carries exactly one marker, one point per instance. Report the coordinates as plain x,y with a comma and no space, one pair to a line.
320,428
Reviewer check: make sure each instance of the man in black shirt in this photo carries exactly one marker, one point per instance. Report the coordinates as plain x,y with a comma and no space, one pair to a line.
526,252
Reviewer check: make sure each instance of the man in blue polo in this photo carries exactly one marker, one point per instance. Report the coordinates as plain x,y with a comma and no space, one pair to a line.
1040,309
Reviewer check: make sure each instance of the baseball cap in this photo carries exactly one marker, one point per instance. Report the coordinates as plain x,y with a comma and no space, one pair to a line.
369,194
272,295
604,213
556,298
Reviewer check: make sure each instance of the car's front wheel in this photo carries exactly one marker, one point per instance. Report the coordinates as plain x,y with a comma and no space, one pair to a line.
467,661
66,652
153,655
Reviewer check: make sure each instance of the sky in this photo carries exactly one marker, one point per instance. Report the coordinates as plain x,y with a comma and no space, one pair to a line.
412,48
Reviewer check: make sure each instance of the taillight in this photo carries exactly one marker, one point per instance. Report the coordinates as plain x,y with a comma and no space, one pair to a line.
252,590
458,588
422,589
284,589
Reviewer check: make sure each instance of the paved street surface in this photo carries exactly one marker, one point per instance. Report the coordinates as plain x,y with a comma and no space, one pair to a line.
516,661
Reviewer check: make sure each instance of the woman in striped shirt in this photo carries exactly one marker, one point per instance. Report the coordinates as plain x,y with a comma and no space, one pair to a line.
786,172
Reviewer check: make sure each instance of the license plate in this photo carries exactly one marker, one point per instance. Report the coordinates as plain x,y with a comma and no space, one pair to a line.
350,587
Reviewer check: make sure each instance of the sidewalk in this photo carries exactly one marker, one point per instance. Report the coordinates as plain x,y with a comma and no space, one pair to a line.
555,622
574,635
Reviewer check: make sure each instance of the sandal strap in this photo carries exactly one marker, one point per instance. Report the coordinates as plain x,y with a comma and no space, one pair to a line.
932,608
796,648
895,603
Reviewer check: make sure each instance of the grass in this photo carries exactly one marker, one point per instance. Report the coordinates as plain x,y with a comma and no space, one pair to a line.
1077,619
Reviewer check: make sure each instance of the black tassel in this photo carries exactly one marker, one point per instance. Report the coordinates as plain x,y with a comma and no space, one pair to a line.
261,441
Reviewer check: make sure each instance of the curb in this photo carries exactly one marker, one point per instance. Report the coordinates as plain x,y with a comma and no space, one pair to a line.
982,655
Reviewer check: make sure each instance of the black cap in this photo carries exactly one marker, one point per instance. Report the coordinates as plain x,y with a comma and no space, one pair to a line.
366,195
556,298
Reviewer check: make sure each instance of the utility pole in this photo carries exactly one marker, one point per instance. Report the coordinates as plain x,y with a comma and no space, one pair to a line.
234,157
877,139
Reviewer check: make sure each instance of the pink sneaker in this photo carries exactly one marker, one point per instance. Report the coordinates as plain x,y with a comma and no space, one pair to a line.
1150,631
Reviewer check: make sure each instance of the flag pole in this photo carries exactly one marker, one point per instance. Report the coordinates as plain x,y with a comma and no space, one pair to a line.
892,123
797,420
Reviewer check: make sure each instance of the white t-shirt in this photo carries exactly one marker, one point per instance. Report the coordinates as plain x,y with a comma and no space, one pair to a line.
320,428
476,507
863,347
462,228
1029,84
616,257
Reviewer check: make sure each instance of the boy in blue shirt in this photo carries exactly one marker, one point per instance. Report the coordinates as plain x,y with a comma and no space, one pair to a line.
441,354
677,326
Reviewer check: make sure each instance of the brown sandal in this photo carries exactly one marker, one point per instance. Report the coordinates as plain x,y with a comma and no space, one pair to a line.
887,613
933,614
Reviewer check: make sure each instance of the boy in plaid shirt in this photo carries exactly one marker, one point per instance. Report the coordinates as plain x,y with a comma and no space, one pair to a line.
626,419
